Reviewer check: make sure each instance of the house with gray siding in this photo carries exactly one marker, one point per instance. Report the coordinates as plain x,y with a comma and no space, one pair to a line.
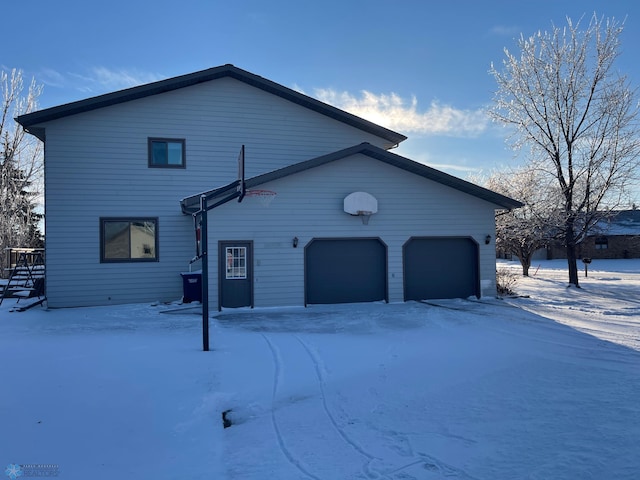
126,172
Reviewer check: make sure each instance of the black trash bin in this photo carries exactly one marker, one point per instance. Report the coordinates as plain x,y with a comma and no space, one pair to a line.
191,287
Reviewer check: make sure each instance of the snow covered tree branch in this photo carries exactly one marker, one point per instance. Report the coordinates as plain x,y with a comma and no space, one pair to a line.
565,101
21,167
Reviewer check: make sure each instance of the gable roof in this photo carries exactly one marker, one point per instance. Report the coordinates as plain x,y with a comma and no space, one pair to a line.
30,121
619,222
191,204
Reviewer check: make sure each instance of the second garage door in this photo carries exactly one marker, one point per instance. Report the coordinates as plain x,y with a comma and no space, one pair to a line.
440,267
345,270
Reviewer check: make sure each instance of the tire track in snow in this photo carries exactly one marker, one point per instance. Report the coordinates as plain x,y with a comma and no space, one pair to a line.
423,460
430,463
321,383
277,362
427,462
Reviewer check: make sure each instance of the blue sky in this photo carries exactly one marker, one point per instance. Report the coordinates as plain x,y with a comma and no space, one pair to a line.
419,67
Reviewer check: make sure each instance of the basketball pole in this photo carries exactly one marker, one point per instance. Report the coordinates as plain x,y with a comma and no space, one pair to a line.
204,246
239,193
204,258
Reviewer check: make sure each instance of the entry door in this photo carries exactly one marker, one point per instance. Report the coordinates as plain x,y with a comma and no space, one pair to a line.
236,274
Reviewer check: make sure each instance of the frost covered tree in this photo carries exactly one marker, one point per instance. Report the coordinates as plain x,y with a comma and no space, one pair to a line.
568,105
20,167
523,231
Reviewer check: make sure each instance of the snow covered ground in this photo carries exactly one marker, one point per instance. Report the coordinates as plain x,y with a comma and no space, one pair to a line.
544,386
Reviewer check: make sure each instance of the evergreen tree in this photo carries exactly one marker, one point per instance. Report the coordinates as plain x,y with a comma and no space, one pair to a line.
20,169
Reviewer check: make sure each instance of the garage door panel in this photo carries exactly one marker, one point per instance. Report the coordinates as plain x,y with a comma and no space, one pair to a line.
440,268
345,271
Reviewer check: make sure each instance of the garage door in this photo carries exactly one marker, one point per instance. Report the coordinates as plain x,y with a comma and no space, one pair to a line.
345,270
440,267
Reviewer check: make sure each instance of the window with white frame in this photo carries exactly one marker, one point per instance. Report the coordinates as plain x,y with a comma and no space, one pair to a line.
236,262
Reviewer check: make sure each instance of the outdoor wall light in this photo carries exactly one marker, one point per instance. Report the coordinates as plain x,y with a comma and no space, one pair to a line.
295,242
487,240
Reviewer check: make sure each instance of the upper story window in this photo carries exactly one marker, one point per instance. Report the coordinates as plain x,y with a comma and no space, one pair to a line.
167,152
129,240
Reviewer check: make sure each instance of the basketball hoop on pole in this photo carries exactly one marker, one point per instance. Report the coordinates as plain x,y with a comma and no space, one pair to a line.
265,197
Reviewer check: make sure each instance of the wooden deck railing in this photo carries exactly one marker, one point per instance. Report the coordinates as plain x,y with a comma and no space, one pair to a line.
12,255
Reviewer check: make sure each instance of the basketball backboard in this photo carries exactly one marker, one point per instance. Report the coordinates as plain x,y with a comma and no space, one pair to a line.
361,204
358,203
241,184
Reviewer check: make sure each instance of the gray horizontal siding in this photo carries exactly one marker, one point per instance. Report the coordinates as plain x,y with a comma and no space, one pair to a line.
215,118
75,275
96,166
310,205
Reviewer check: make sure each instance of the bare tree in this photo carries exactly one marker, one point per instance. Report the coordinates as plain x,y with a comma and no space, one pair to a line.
523,231
577,115
21,166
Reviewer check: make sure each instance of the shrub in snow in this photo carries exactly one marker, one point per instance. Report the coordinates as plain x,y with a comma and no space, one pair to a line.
506,280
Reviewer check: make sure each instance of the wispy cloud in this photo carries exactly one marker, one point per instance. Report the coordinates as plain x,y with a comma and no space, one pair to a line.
451,166
404,115
504,30
100,79
96,80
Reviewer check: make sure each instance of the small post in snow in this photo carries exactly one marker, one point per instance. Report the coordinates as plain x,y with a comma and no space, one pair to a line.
586,262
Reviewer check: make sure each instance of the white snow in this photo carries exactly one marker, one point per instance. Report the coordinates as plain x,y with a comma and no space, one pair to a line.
544,386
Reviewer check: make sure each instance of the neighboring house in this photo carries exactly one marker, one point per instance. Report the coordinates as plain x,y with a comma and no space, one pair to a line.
616,236
124,173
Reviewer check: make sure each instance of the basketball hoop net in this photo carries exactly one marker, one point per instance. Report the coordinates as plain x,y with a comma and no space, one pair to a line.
265,197
364,216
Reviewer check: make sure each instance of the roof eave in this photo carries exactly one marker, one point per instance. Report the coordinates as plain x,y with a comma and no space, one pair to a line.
162,86
497,199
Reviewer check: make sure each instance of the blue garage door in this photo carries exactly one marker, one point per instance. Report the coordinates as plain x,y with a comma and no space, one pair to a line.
440,267
345,270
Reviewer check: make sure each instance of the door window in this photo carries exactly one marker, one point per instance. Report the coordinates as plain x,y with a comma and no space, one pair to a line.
236,262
